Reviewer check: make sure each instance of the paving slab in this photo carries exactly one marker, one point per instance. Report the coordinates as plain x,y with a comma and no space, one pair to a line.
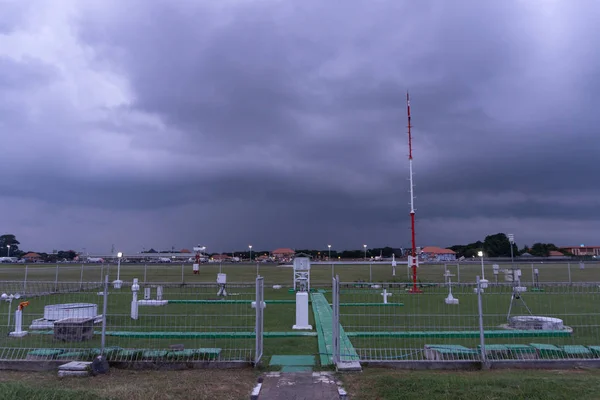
299,386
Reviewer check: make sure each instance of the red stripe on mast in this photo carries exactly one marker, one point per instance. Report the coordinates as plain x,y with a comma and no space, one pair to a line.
412,205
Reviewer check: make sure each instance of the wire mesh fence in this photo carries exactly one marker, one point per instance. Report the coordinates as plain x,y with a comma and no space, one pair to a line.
542,322
384,323
158,322
321,273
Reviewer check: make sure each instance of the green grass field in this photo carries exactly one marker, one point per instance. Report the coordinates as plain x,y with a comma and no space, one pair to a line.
371,384
320,273
575,304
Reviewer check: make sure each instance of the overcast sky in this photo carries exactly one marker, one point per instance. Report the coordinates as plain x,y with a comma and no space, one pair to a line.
282,123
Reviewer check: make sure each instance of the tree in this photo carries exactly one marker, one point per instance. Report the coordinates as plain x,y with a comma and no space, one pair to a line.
467,251
498,245
542,249
9,240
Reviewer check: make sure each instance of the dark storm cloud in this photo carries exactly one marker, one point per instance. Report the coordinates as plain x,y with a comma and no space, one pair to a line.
284,113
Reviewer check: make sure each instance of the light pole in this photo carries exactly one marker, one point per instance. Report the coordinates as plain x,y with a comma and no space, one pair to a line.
329,247
250,247
511,240
118,283
8,253
483,281
365,247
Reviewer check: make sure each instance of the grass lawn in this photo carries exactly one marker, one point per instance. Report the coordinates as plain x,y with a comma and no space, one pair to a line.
378,384
274,274
371,384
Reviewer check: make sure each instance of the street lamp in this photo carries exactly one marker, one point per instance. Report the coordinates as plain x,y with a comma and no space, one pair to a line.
250,247
511,239
329,247
483,281
118,283
365,247
8,254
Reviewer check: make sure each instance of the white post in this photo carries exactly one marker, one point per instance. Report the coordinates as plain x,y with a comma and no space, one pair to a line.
18,332
302,311
134,302
393,264
159,293
147,293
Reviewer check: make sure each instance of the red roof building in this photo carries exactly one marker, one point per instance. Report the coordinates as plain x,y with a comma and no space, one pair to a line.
283,253
433,253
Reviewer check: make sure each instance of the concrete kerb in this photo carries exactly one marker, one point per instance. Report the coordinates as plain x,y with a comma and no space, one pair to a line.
478,365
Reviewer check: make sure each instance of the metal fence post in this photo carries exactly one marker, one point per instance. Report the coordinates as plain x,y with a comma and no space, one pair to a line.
182,271
259,304
569,270
481,331
25,280
81,279
336,320
56,280
103,337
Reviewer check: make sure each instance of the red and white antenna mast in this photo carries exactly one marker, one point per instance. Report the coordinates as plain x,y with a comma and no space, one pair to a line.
412,260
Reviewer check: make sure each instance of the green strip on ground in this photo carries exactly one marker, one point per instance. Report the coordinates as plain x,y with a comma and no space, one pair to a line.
192,335
324,325
371,304
228,301
464,334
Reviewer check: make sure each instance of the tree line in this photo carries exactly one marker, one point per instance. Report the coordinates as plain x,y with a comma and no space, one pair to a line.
498,245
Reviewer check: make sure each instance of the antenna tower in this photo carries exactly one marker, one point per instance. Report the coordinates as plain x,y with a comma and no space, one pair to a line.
413,260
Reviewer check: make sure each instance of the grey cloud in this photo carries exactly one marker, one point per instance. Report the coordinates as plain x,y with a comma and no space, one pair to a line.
25,74
296,115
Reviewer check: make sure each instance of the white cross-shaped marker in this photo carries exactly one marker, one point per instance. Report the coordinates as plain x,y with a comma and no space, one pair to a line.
385,295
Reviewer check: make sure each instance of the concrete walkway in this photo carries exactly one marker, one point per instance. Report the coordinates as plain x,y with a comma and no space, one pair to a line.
300,386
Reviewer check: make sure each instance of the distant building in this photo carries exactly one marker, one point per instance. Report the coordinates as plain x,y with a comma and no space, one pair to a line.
283,254
221,257
184,251
582,250
31,257
556,254
432,253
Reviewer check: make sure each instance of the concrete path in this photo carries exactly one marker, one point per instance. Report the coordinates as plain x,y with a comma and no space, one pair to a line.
300,386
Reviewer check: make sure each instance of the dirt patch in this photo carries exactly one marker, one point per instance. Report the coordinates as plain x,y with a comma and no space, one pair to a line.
149,385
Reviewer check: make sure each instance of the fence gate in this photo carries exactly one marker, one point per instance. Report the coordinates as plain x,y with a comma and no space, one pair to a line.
260,306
